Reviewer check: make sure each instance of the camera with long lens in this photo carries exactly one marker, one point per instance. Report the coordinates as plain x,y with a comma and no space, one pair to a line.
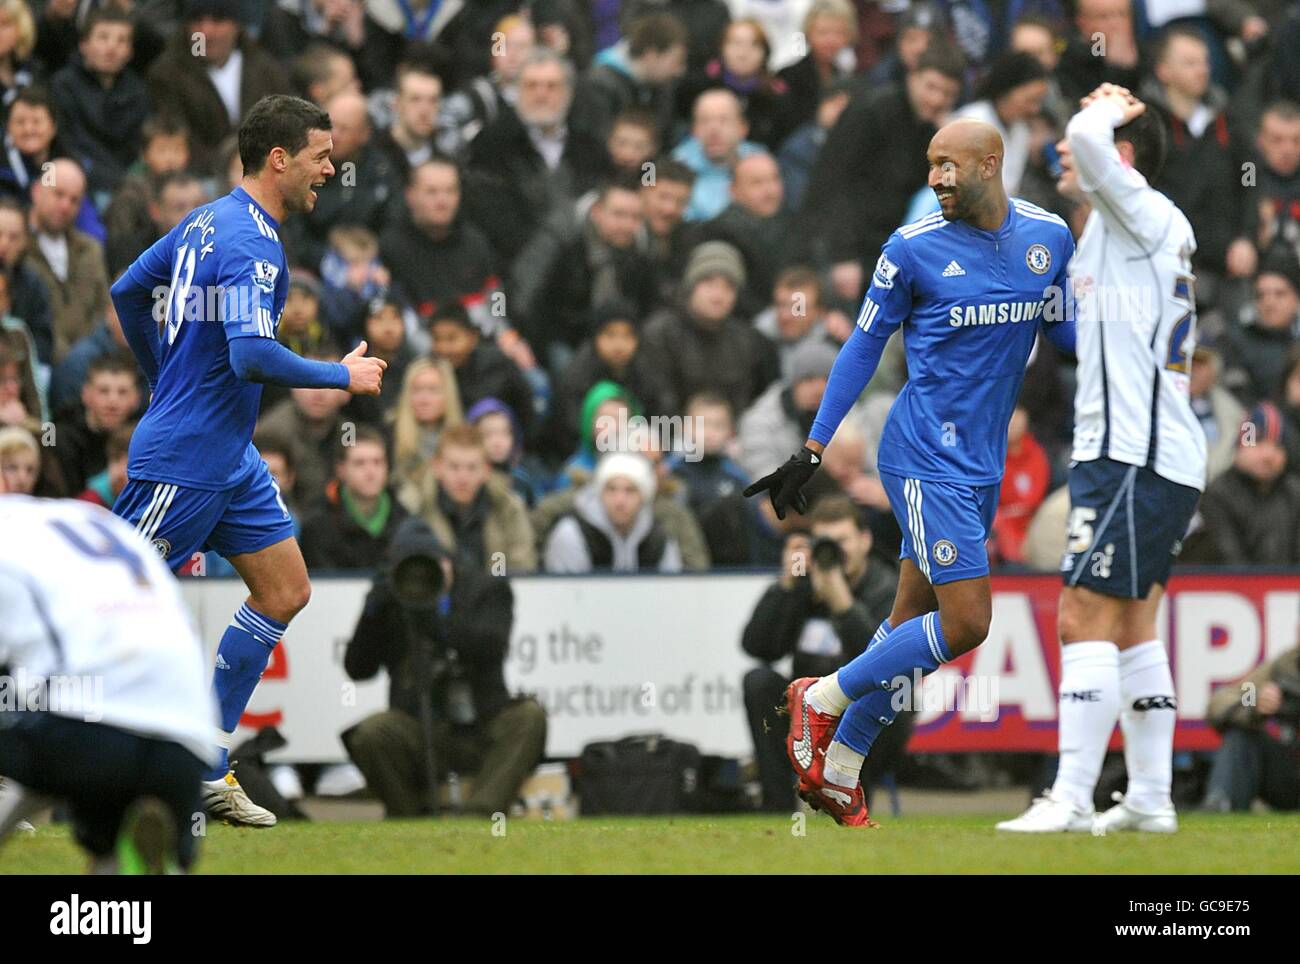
827,553
417,582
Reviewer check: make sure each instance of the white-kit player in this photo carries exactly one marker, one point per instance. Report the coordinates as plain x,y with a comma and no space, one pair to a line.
1137,469
111,708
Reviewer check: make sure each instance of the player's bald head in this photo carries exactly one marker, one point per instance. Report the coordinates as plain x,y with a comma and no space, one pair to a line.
969,138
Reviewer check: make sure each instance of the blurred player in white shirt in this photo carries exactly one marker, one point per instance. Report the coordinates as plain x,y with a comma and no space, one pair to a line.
1137,470
108,704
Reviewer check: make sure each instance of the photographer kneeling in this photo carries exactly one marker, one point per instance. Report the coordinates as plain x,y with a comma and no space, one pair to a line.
823,611
442,632
1260,756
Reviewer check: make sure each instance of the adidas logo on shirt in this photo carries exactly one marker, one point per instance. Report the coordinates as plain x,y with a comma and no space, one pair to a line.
953,270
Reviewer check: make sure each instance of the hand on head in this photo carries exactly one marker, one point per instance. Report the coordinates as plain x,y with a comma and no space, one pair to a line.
1121,96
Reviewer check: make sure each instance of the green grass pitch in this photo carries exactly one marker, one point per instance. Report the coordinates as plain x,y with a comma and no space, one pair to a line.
1207,843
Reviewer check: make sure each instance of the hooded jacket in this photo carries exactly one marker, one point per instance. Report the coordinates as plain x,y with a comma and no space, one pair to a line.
471,637
585,540
677,520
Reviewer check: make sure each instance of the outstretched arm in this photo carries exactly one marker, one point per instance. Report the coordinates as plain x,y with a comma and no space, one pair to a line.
853,368
247,279
267,361
888,302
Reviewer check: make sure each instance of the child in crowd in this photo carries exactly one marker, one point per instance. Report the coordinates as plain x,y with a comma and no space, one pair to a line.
352,276
498,426
20,460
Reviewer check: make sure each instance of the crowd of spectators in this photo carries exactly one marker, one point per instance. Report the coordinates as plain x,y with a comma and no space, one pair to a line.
559,221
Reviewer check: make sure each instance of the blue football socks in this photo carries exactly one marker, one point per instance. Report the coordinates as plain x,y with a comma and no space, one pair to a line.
241,658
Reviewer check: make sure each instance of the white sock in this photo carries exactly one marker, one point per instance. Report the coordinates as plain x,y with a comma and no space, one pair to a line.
826,696
1089,706
843,765
1149,713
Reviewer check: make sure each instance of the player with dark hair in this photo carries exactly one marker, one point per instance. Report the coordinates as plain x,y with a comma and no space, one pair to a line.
1137,470
971,285
217,282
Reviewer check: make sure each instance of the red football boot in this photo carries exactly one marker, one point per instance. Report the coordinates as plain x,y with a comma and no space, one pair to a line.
810,733
848,809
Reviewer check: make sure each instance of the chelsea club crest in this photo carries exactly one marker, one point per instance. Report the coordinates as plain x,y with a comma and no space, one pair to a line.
1038,258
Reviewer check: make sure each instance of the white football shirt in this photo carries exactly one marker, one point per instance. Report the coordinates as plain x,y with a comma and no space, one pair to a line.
87,605
1135,314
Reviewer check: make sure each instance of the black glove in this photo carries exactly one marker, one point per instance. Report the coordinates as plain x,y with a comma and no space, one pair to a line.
785,484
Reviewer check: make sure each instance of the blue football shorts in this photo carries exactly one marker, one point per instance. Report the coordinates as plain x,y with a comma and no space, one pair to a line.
945,525
181,521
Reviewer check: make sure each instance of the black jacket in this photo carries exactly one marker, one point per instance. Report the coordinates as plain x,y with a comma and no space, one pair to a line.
872,163
81,451
434,272
1202,175
470,640
1248,524
1080,72
29,300
508,190
332,540
488,373
101,125
803,94
642,377
561,277
605,92
732,359
773,630
285,36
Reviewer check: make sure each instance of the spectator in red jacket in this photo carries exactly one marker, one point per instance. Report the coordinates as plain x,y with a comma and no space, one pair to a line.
1024,486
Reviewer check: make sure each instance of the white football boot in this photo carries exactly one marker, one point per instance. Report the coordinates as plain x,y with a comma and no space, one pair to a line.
1122,816
1049,815
226,800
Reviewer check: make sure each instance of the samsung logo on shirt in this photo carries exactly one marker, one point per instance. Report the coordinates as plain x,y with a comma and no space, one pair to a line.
1000,313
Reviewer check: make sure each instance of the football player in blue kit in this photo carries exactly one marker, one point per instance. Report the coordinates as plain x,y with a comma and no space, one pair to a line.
971,286
215,285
